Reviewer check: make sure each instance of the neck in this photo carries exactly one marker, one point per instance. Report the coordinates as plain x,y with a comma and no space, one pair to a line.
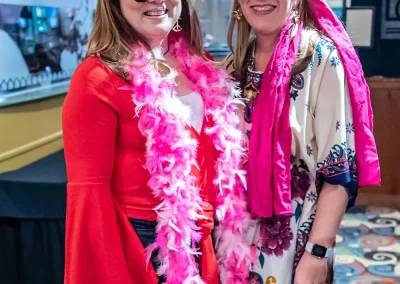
156,43
265,46
266,43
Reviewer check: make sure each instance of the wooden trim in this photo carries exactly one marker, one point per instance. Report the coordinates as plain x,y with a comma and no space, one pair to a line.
378,199
30,146
380,83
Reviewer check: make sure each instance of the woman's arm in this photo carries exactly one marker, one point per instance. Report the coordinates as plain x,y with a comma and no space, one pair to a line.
335,158
331,207
94,251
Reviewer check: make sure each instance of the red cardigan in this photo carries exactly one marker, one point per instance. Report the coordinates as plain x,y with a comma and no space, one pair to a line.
107,184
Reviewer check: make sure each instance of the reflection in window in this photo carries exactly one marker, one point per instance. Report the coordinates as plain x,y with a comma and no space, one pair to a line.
337,7
214,17
41,47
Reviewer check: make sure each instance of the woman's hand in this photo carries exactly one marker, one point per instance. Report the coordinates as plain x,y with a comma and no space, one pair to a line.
311,270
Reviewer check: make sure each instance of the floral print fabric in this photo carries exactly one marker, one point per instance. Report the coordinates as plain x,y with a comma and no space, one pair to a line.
322,151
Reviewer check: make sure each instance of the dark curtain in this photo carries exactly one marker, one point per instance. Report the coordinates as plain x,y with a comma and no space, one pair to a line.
32,221
31,251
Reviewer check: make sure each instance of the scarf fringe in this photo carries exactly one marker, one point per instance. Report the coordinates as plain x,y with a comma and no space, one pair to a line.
170,155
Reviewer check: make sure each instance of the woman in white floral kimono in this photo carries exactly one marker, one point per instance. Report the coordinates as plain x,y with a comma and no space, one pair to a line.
308,122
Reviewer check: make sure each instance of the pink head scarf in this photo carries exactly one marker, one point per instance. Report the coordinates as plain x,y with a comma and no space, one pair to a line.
269,178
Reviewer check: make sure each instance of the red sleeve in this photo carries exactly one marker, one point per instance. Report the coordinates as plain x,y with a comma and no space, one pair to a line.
95,243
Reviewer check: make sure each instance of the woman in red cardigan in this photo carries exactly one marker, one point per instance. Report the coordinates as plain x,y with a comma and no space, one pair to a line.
152,154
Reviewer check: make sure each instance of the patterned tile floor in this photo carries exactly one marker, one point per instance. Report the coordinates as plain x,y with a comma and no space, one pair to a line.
368,247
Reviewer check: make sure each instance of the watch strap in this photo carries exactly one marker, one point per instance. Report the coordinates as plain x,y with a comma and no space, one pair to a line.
310,246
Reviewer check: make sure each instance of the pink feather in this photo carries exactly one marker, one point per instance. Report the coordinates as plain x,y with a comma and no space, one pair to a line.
170,154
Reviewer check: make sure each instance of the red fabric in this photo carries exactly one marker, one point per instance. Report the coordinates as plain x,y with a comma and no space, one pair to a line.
208,260
107,183
208,55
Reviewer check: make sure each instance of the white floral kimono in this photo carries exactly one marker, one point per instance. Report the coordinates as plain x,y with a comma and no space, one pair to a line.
322,151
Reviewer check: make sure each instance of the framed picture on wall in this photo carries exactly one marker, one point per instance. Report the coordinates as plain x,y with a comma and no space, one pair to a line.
360,23
390,27
42,42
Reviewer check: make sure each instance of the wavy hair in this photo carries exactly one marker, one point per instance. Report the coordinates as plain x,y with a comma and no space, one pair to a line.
112,36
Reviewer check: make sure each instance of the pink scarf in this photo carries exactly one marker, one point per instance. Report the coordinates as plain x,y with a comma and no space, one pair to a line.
269,179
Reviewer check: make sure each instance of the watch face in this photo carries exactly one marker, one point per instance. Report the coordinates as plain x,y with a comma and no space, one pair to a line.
319,251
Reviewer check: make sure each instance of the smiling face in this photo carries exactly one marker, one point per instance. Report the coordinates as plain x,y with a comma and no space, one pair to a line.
153,19
267,16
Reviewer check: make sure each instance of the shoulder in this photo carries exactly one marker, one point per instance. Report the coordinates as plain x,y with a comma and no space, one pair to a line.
92,72
325,52
93,83
93,77
324,71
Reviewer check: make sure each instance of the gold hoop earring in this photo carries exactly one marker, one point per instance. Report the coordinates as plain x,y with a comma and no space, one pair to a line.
238,14
177,27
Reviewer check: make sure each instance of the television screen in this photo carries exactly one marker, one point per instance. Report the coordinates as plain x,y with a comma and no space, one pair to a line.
41,46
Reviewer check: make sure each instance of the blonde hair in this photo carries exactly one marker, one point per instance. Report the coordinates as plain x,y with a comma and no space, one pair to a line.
112,36
309,41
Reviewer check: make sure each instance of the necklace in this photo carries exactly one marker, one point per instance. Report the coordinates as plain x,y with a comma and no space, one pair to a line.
167,49
163,68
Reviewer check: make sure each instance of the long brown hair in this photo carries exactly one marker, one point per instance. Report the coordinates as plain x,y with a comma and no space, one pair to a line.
112,36
310,39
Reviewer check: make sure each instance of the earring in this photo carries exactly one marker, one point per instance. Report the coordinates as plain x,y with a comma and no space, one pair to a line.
238,14
177,27
296,20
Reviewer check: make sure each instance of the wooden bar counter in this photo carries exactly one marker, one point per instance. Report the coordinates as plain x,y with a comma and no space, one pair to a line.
385,99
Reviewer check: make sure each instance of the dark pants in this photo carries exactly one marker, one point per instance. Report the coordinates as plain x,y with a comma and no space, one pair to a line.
146,231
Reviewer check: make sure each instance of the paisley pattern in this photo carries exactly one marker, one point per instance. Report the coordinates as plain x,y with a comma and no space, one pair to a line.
339,167
250,92
340,160
297,82
322,151
303,234
368,247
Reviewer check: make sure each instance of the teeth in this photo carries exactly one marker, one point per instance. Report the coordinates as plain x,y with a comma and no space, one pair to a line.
263,8
155,13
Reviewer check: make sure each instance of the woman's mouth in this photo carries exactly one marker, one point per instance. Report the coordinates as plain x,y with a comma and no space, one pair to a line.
156,12
263,9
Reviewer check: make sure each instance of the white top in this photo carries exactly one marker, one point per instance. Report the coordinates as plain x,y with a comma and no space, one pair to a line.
195,102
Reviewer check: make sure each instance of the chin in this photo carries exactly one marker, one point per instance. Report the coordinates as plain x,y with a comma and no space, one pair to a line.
262,30
157,33
162,30
267,30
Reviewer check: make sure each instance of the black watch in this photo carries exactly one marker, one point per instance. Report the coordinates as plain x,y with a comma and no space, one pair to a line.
318,250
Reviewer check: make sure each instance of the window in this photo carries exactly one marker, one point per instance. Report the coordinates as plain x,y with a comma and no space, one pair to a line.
42,42
214,17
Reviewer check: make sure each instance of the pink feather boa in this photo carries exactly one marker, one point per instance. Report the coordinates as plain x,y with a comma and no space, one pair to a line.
170,155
